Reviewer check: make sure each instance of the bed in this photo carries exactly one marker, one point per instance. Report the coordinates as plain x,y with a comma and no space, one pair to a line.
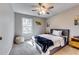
58,37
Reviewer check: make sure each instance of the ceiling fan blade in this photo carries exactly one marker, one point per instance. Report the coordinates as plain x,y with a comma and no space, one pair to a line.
43,6
40,4
51,7
33,10
47,12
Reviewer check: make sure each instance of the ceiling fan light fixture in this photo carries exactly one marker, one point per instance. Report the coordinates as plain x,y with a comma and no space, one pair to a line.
43,9
42,12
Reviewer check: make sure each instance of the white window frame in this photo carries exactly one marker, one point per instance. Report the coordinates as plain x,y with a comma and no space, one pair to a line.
27,26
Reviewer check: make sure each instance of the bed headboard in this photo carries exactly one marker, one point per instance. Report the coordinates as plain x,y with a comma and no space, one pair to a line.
65,32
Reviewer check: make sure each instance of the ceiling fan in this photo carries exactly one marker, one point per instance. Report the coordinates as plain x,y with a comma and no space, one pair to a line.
42,8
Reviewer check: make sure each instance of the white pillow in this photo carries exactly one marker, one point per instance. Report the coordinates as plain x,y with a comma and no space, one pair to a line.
57,33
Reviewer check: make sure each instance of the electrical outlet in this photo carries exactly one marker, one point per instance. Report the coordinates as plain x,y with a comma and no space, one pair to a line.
0,38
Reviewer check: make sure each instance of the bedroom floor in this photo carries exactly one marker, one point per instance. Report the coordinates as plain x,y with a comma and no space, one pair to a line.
68,50
27,48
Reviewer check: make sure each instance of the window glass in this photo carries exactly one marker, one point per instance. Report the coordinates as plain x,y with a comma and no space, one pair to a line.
27,25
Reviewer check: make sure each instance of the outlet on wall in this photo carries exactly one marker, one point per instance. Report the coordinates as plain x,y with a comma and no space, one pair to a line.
0,38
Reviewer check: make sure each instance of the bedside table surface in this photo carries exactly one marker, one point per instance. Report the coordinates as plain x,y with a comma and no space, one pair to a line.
74,39
74,42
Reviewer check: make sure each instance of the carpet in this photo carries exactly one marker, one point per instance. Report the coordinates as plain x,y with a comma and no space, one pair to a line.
25,48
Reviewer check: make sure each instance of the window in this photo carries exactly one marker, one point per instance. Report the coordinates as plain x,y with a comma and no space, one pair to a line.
27,25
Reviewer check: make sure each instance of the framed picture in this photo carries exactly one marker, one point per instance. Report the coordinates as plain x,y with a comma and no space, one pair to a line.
38,22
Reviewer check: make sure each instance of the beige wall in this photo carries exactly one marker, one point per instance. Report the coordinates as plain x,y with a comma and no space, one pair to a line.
65,20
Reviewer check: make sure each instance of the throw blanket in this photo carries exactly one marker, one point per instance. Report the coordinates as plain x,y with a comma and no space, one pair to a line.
44,43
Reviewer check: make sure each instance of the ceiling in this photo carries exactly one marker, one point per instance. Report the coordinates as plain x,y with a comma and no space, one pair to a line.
26,8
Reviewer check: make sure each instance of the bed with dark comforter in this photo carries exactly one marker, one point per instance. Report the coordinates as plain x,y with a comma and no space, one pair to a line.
48,42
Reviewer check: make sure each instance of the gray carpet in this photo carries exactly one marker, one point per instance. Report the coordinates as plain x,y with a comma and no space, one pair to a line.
25,48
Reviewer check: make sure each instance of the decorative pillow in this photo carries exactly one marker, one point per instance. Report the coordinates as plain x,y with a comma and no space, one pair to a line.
57,33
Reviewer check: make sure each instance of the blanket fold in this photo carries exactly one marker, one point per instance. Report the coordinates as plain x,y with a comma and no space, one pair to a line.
44,43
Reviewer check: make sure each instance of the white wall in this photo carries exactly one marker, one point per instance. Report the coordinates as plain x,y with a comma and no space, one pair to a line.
6,28
36,29
65,20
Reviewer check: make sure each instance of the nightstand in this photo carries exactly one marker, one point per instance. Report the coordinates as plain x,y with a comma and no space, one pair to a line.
74,42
